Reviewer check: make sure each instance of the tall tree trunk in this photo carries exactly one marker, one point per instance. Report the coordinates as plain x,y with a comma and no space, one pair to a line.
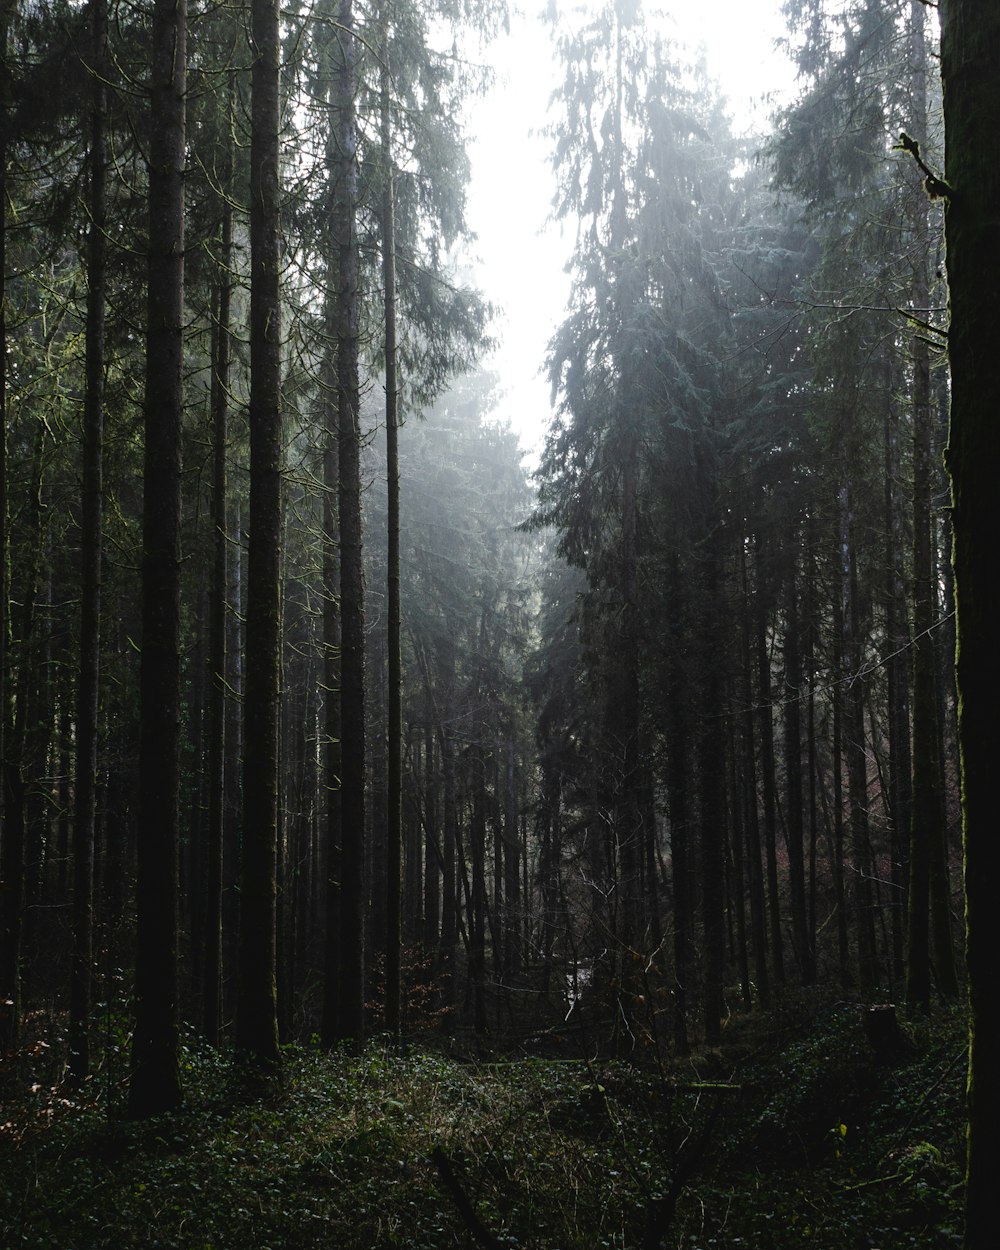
626,717
549,855
758,917
216,728
233,806
449,839
257,1021
10,849
351,1018
765,722
512,852
928,841
92,508
896,671
433,859
477,911
155,1083
970,52
679,811
712,794
331,660
794,815
736,863
394,770
837,858
857,756
9,889
17,849
927,813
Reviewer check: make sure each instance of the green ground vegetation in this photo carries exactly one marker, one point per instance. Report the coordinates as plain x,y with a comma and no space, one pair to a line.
792,1134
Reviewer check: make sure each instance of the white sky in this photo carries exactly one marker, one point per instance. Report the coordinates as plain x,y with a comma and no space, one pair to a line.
522,263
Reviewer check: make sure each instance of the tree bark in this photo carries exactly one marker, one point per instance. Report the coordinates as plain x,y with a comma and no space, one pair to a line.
394,770
257,1022
765,722
155,1085
794,815
10,893
758,918
712,794
216,727
92,518
351,1017
970,52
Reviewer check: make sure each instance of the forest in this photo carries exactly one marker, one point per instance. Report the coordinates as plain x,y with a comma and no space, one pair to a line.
404,844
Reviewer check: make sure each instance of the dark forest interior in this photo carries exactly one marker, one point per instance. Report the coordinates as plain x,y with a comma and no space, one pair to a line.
408,843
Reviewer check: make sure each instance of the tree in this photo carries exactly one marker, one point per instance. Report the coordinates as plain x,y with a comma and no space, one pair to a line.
155,1085
394,728
970,46
928,814
215,761
351,981
591,470
635,470
864,66
257,1017
9,953
88,690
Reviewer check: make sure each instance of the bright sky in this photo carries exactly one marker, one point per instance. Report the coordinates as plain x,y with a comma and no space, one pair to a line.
523,262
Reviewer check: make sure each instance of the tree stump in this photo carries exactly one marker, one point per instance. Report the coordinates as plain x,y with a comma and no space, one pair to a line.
883,1033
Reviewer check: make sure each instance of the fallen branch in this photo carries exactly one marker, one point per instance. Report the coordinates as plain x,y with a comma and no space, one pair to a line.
473,1223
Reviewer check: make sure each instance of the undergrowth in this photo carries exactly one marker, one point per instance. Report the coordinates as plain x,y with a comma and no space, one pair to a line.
803,1140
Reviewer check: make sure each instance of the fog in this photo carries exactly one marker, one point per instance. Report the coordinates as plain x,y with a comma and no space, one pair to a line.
521,254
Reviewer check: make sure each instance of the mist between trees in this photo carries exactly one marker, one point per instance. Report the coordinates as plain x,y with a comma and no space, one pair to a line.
323,712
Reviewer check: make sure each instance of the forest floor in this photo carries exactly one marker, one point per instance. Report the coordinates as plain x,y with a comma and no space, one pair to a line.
792,1134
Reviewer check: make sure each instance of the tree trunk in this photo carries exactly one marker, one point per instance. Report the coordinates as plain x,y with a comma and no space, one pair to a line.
794,815
837,859
928,842
970,52
19,856
394,770
9,1008
92,516
896,671
155,1083
216,728
433,859
477,913
256,1019
331,658
857,756
765,721
512,851
758,918
712,797
351,1019
679,814
449,838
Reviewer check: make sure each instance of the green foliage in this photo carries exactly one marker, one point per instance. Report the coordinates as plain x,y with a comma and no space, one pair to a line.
550,1153
829,1148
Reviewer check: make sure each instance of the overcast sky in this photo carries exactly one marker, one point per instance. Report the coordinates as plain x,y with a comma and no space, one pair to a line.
522,261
